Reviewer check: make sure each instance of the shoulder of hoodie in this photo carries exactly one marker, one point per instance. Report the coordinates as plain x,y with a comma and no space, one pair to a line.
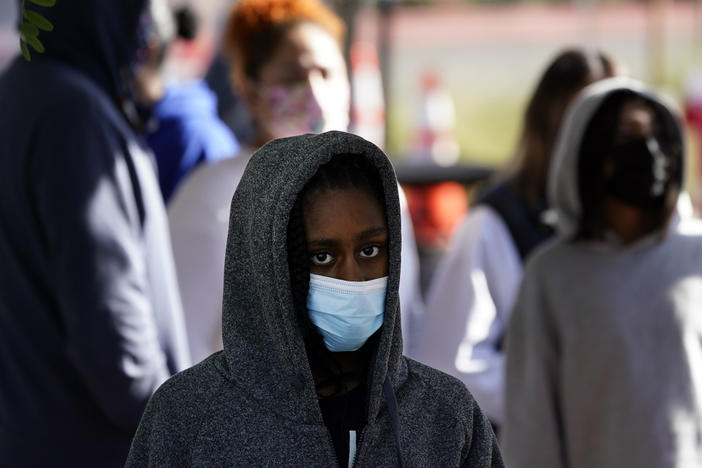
66,104
75,90
176,414
75,128
184,401
543,256
196,388
551,255
442,394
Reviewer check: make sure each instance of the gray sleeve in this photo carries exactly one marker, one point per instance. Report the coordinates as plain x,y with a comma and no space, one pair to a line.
140,453
171,426
89,203
532,433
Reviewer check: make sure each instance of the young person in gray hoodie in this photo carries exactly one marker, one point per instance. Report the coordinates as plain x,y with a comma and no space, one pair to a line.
604,357
312,372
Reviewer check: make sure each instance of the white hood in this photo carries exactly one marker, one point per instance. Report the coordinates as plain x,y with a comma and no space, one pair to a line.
563,192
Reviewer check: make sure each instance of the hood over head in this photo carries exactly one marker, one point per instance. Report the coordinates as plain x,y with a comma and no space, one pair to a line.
563,185
263,345
99,37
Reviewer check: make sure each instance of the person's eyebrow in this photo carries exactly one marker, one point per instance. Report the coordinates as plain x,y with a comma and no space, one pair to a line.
323,242
372,232
367,234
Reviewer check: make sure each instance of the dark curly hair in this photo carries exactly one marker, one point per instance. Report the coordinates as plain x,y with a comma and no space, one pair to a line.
343,171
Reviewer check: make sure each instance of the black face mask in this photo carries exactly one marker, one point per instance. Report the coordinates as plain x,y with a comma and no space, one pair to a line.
641,173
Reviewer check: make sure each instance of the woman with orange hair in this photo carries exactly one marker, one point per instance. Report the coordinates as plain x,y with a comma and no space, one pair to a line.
288,67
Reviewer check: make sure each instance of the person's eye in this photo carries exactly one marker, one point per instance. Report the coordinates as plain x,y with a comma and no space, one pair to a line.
370,251
321,258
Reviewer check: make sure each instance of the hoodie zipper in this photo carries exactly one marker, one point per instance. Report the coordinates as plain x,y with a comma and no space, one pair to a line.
358,448
333,450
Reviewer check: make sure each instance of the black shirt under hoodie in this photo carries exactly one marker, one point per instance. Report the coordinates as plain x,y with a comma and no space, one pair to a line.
342,414
254,403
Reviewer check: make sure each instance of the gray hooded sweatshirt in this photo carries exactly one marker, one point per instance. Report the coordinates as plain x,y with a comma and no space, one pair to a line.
604,350
254,404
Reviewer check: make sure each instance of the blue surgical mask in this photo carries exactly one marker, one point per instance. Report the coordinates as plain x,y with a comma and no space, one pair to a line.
346,313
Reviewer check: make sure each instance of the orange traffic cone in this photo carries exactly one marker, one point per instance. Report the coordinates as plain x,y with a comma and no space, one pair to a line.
436,208
436,139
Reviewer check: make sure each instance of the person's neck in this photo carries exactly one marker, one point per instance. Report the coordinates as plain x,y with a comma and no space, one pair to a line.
351,372
629,223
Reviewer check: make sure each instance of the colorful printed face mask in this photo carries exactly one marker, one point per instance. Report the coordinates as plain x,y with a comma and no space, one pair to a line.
346,313
298,109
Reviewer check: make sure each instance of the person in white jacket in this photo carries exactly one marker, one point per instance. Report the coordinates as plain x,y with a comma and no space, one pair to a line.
471,295
604,349
289,70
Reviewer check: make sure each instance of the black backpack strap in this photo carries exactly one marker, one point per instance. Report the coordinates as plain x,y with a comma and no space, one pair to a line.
523,222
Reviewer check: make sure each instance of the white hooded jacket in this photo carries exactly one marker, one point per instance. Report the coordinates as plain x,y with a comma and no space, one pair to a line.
604,349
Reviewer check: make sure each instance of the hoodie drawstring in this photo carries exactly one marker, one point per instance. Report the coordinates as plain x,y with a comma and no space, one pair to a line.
394,419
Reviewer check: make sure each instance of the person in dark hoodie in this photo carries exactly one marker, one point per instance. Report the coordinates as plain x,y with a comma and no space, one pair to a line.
603,348
90,318
312,372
